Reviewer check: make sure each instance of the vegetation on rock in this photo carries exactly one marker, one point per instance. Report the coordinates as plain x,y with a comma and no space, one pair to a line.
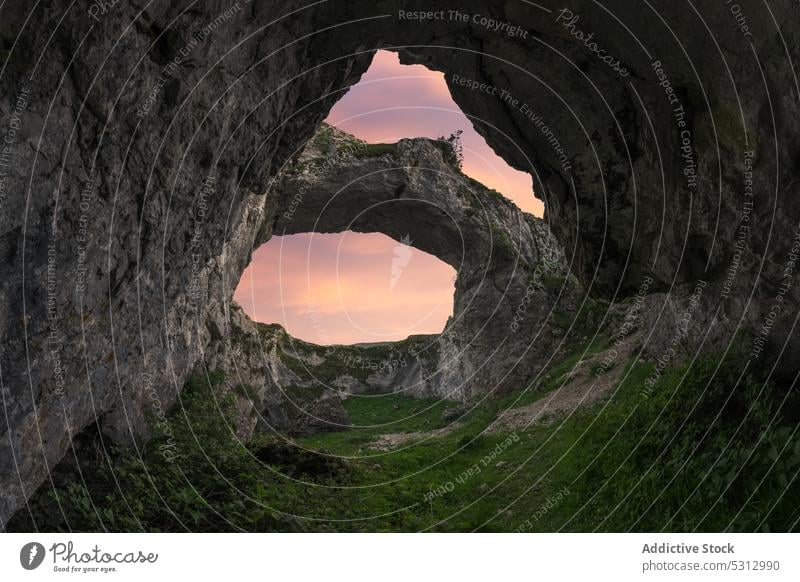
705,448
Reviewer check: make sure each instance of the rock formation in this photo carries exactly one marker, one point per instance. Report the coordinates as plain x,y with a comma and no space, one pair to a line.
511,272
141,148
511,285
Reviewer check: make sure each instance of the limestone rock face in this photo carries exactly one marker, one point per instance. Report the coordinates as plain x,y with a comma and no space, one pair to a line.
267,391
141,149
409,366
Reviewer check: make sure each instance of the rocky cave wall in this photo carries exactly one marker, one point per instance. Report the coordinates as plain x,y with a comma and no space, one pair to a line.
141,142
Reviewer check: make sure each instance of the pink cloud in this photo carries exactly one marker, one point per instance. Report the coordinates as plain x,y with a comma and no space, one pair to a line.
340,288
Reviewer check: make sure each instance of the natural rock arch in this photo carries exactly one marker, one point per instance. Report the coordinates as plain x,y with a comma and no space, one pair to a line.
510,270
143,144
512,279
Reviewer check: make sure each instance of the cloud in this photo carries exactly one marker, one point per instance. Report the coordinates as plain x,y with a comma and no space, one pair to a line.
342,284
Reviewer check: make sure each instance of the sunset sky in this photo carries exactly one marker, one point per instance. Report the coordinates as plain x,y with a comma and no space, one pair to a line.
342,288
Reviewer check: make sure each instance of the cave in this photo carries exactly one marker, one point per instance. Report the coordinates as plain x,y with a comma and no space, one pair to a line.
510,275
139,182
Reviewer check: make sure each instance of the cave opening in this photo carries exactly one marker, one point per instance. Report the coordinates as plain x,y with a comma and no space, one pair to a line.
347,287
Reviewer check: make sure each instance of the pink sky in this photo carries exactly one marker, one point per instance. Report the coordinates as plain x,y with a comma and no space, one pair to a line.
393,101
342,288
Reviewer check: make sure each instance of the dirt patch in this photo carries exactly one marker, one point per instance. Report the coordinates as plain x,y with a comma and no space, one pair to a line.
387,442
589,381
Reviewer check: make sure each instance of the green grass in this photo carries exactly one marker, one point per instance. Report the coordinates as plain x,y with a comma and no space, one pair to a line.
698,451
396,412
374,415
372,150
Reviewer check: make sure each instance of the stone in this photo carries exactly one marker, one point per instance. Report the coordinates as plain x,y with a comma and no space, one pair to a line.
136,184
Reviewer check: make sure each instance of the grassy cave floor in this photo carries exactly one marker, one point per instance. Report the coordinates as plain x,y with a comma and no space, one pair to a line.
703,449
